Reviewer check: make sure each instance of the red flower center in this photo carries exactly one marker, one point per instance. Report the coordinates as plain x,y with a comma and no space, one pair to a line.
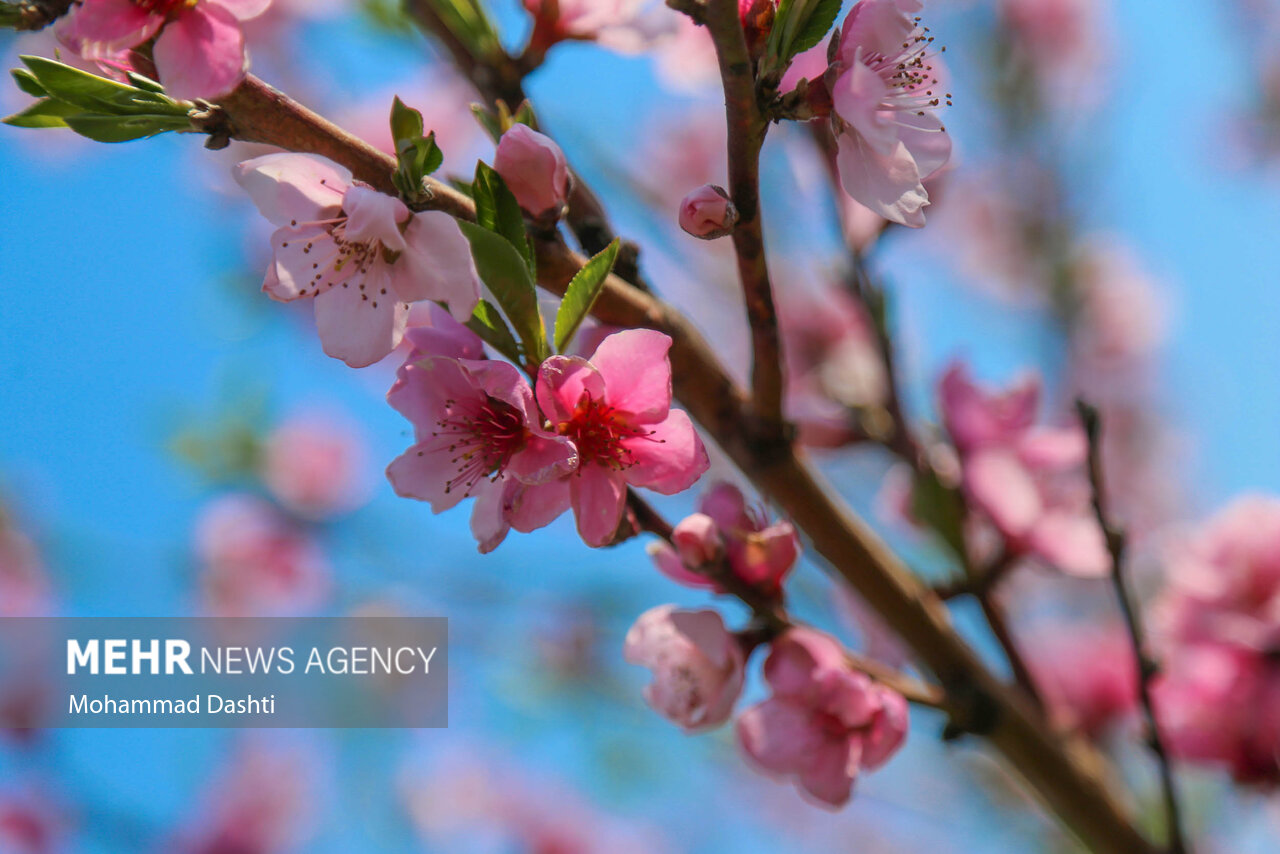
598,431
484,439
164,7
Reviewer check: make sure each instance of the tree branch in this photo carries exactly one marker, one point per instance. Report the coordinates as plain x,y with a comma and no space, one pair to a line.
1147,667
746,132
1065,776
36,14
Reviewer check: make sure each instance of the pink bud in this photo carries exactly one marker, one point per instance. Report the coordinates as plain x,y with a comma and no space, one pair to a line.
697,539
534,168
697,665
707,213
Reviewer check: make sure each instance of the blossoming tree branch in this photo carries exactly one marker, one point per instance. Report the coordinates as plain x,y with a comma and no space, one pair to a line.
543,373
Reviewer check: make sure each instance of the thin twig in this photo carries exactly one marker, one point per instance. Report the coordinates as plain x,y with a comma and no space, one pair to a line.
746,131
1146,665
38,14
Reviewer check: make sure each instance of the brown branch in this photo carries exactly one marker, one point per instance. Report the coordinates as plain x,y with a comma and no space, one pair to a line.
38,14
1146,665
746,131
1064,775
774,620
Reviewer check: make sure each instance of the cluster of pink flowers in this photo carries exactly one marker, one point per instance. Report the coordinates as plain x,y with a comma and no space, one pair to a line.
199,52
824,724
1028,481
1218,695
592,428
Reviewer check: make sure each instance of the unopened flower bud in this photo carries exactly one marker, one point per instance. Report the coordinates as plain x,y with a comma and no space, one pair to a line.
707,213
534,168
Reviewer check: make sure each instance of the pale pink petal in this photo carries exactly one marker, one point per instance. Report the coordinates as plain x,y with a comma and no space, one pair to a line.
926,139
998,483
374,216
637,373
563,382
598,495
99,29
698,541
890,185
444,337
764,558
530,507
423,472
1072,543
358,328
798,658
779,736
489,524
670,458
437,265
292,189
857,96
200,53
973,416
543,459
672,566
888,729
1049,449
877,26
243,10
725,503
426,391
303,263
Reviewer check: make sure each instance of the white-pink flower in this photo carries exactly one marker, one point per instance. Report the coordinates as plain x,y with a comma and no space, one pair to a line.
314,465
362,256
885,98
825,722
1029,481
697,665
200,49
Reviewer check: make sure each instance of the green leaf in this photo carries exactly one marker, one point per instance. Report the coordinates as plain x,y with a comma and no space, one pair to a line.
122,128
941,508
507,276
98,94
406,122
28,83
416,155
486,321
498,211
582,292
145,83
489,121
814,29
45,113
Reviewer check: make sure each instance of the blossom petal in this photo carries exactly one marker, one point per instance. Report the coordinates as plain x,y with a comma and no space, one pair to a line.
829,776
103,28
543,459
670,458
888,730
444,337
637,373
426,391
531,507
598,495
289,189
927,140
437,264
563,381
303,263
889,184
243,10
374,216
779,736
999,484
669,563
1072,543
489,523
857,97
423,472
877,26
200,53
358,328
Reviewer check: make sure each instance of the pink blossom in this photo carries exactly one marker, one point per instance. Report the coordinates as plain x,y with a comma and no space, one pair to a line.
1062,43
24,585
697,665
200,50
1028,481
824,722
707,212
360,255
314,466
1122,317
884,100
254,561
478,433
627,26
535,169
616,408
30,824
759,553
1087,674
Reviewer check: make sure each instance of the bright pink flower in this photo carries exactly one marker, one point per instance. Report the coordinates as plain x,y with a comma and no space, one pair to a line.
314,466
478,433
1088,675
708,213
199,54
362,256
825,722
1029,482
534,168
255,562
616,408
885,98
697,665
29,824
759,553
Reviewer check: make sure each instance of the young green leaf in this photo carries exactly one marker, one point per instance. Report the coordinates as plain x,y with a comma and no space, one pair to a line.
486,321
498,211
122,128
28,83
507,276
581,294
814,29
97,94
45,113
406,122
